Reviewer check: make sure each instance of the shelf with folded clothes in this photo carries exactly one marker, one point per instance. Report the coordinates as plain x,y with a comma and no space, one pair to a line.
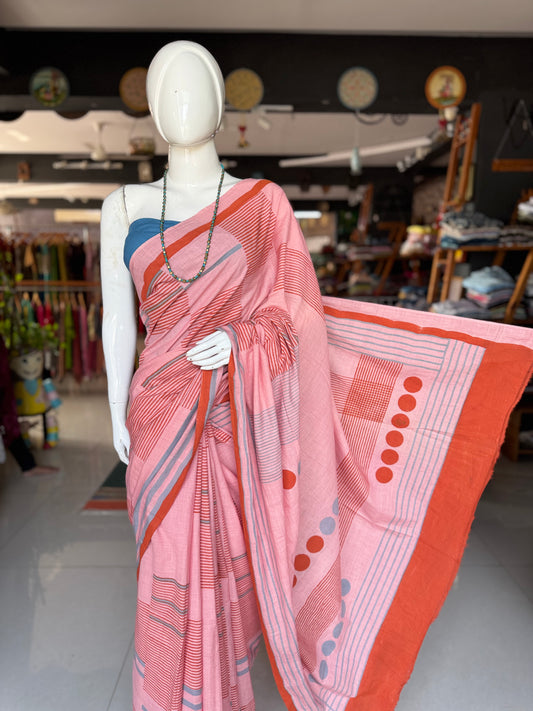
449,258
362,269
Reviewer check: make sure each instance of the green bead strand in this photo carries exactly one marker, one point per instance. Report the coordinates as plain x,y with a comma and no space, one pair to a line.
162,231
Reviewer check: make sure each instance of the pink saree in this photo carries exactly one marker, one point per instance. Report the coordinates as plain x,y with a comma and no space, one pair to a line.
319,490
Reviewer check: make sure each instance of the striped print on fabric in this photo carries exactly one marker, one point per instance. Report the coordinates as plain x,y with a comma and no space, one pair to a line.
274,604
234,208
253,220
300,279
168,468
321,608
368,605
157,412
352,480
227,307
424,351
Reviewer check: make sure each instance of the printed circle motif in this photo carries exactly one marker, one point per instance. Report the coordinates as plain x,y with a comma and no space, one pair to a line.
328,647
345,587
394,438
337,630
400,420
315,544
289,479
327,525
302,562
384,475
406,403
412,384
389,456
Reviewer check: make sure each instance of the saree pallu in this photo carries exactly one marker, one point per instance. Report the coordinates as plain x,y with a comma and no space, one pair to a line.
319,490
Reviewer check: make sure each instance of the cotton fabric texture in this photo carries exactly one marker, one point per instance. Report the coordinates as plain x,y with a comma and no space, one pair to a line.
318,490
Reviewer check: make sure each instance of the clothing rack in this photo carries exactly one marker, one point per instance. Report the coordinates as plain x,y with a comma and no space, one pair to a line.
58,286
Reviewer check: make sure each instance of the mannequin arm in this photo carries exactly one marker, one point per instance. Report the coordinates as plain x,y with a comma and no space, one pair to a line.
119,327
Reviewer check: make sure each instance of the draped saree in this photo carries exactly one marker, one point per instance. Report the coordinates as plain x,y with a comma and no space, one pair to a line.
319,490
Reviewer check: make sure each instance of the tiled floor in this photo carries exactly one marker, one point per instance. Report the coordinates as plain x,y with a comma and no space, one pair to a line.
67,592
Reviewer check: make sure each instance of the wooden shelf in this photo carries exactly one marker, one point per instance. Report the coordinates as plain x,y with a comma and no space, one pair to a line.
448,258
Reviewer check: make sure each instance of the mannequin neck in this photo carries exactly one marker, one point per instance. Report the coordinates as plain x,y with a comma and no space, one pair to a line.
193,165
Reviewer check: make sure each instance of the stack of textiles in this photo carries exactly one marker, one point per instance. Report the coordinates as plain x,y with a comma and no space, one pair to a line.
488,291
516,234
490,286
467,227
464,307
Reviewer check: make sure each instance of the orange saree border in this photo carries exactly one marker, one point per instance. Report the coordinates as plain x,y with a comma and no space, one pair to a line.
450,514
236,205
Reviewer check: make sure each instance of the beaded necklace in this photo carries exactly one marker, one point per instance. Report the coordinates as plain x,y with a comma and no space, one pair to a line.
162,231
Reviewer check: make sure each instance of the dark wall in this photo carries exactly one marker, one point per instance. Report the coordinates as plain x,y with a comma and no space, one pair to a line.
301,70
297,69
496,193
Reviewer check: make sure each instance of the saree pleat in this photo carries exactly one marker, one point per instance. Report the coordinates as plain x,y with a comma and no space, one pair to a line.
319,490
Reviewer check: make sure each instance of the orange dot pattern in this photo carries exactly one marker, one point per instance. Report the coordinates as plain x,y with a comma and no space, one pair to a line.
289,479
302,562
394,438
315,544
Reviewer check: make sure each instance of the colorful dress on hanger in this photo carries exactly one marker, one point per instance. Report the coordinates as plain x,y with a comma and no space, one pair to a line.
319,489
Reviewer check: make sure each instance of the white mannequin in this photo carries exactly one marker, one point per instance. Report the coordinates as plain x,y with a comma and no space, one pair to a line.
185,91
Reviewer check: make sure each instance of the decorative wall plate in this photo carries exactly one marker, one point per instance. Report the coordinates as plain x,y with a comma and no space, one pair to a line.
49,86
132,89
244,89
445,86
357,88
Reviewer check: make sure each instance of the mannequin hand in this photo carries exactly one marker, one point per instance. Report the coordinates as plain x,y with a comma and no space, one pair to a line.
121,436
211,352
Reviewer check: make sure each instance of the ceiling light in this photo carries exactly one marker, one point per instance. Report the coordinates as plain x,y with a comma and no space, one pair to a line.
263,121
22,137
307,214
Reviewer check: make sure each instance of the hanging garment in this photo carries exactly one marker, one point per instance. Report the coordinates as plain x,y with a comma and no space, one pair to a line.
319,489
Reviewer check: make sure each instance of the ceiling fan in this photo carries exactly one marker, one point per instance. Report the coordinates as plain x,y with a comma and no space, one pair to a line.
98,151
99,158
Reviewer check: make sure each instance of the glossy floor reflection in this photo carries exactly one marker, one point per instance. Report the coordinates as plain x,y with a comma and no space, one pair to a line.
67,592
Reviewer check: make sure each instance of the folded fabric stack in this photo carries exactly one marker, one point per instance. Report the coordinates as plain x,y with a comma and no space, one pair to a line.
467,227
489,286
516,234
463,307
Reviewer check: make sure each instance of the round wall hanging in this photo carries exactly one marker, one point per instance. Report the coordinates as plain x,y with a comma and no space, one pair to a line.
244,89
49,86
357,88
132,89
445,86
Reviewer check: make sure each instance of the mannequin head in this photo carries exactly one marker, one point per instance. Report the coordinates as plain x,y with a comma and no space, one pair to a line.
185,90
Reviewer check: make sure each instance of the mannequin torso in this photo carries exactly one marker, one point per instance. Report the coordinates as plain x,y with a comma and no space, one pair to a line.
186,96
